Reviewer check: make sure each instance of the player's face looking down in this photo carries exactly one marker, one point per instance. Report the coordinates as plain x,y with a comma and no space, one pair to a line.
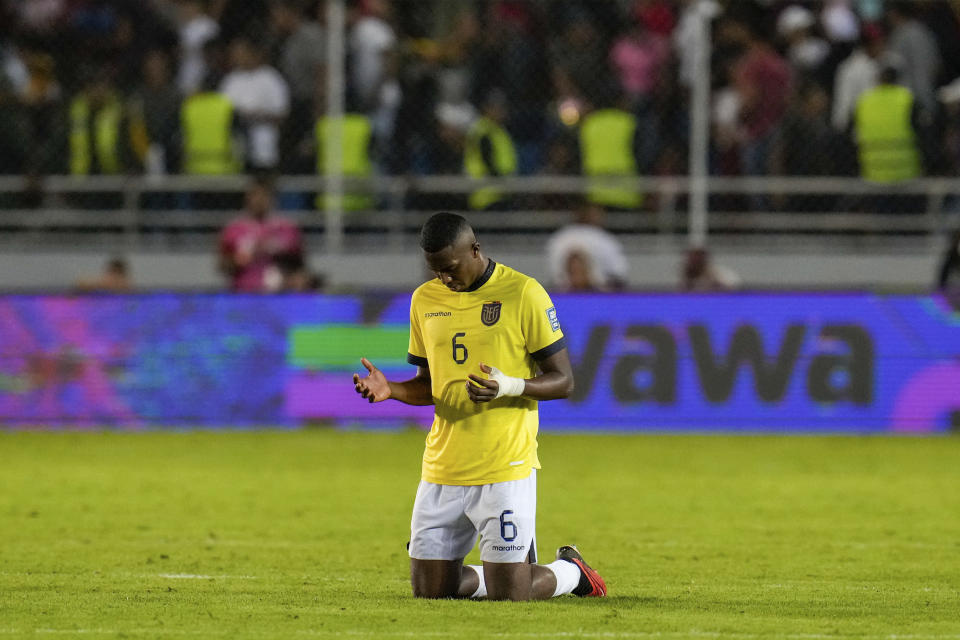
459,264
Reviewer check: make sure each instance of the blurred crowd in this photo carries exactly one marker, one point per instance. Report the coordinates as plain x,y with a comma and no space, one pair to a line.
482,87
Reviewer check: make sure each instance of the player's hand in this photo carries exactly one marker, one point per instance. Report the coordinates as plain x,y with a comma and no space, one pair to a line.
374,387
482,389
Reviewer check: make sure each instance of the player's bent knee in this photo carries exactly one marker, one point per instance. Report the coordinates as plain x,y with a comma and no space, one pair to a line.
508,581
434,579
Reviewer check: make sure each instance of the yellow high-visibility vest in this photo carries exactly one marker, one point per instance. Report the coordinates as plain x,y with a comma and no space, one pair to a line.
887,144
357,133
207,121
105,128
606,151
504,159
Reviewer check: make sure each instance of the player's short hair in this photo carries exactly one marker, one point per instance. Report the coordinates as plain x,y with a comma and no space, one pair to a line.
442,230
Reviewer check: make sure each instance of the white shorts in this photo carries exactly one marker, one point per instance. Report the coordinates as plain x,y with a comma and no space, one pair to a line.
447,519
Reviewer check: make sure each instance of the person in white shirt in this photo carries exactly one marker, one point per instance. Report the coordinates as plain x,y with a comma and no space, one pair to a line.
856,74
261,99
371,42
196,29
595,250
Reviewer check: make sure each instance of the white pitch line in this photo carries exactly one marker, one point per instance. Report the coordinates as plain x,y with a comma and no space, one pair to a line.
695,633
199,576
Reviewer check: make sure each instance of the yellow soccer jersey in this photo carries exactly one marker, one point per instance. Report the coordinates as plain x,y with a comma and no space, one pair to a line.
505,320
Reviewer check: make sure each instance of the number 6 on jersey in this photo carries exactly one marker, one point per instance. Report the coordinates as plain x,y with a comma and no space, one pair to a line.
459,349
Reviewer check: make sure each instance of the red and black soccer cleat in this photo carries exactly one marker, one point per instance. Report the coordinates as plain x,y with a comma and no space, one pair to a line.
591,584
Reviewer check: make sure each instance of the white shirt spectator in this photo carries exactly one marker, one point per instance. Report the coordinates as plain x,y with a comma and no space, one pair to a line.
604,251
261,98
855,75
194,34
370,39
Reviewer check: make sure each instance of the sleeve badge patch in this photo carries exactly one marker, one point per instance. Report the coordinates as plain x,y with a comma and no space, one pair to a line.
552,317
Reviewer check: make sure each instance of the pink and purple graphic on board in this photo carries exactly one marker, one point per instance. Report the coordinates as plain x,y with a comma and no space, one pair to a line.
851,362
55,362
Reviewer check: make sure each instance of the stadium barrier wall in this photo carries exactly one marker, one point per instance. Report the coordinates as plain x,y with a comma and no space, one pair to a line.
784,362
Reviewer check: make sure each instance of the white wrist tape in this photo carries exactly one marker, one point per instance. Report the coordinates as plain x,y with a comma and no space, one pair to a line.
507,385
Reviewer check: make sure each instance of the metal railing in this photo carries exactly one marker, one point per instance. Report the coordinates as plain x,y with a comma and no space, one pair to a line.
670,218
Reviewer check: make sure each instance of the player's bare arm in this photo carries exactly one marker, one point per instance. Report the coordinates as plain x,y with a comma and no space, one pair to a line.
376,388
554,382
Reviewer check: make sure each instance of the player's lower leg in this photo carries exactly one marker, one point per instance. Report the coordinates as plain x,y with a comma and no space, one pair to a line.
569,573
589,582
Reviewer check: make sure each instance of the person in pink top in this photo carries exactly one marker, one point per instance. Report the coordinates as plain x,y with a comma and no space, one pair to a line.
255,246
639,57
762,79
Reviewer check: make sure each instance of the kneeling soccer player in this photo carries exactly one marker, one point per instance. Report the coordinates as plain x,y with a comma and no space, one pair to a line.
480,461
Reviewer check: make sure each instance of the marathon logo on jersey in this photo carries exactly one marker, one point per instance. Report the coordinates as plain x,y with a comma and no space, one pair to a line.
437,314
552,317
490,313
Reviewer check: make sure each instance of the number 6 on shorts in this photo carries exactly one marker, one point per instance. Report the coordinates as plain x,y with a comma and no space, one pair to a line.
506,525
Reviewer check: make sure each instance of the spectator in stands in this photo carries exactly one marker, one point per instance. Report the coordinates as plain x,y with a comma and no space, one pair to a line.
197,28
886,125
208,124
726,127
513,59
609,148
762,79
103,139
45,126
255,246
584,255
372,44
916,46
489,151
157,102
856,74
356,159
700,273
261,101
580,60
806,51
374,71
806,144
114,279
640,57
302,62
446,152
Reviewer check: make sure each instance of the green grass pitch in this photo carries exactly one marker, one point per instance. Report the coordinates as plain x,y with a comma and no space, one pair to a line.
301,534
